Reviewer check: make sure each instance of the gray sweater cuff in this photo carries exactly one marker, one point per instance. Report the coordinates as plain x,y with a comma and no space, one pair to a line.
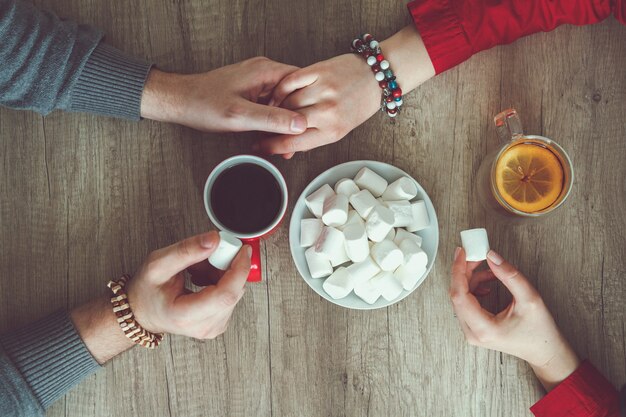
110,84
50,355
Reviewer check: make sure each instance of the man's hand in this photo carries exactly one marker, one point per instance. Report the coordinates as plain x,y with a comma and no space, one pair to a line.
160,302
525,328
227,99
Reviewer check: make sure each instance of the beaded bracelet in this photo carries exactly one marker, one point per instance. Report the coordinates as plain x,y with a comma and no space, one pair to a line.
369,48
126,318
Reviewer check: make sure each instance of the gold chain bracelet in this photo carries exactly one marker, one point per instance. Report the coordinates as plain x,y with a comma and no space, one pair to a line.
126,318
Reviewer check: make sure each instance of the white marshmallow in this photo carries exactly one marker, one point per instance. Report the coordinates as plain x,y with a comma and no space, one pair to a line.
380,200
353,218
315,200
335,212
363,202
387,255
347,187
402,212
369,180
319,266
415,258
475,243
420,217
362,271
356,244
408,278
226,251
310,230
391,235
390,288
340,256
402,234
401,189
379,223
329,243
339,284
369,291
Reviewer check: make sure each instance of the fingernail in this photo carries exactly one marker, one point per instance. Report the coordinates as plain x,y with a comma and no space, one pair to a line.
494,257
249,251
298,124
207,241
456,252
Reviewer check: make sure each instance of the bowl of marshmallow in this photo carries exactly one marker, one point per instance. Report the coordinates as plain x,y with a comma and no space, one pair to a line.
364,235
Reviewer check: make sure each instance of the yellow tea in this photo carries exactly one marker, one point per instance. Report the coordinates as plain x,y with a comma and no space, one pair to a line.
529,177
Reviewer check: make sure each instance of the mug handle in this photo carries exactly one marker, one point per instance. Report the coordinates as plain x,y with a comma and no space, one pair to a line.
255,274
508,125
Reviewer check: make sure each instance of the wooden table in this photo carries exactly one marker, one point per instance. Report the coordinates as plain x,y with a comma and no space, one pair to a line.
83,199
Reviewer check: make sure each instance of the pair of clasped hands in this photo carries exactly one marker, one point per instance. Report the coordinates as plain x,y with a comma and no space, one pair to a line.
306,108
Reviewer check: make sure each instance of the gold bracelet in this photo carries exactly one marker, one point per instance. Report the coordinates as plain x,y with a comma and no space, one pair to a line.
126,318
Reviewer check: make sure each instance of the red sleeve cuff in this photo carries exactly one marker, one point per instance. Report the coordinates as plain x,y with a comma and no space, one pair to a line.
585,393
446,42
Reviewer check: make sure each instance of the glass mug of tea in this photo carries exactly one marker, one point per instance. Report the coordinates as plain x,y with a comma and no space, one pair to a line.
246,196
527,177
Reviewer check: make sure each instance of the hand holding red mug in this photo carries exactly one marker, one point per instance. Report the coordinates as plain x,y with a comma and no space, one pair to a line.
525,328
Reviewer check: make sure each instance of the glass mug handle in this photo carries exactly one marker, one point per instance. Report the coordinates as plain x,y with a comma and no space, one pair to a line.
508,125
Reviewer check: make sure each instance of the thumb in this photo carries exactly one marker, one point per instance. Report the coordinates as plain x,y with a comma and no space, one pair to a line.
166,262
514,280
272,119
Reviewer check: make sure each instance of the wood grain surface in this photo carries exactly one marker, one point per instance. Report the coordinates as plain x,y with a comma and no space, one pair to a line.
84,199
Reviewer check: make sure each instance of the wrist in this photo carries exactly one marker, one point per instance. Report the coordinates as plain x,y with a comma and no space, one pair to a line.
162,96
97,326
558,367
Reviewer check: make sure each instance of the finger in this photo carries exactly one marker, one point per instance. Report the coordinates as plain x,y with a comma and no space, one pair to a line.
480,277
465,304
514,280
291,83
254,116
273,74
471,266
167,262
289,155
288,144
305,97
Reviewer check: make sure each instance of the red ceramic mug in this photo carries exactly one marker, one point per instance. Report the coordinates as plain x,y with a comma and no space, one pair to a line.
251,238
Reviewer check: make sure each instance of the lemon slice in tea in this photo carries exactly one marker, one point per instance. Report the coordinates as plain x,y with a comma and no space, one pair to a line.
529,177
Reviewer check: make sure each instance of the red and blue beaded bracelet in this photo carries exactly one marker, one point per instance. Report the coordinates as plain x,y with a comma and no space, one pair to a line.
369,48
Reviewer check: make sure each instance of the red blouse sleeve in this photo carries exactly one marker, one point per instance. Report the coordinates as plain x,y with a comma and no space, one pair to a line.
454,30
585,393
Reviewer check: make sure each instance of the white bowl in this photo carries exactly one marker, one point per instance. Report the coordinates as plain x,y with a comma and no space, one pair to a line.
430,235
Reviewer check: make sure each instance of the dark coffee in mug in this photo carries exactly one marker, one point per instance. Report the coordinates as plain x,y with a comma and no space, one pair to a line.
246,198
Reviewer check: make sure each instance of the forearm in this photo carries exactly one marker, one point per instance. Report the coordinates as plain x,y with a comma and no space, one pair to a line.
97,326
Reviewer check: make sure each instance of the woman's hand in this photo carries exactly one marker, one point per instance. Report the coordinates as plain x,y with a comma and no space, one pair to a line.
226,99
160,302
525,328
335,96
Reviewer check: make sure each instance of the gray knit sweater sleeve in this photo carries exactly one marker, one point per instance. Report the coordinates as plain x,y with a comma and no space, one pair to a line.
48,63
39,364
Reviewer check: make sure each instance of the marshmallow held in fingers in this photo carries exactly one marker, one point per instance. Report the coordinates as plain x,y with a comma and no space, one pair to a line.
315,200
402,212
415,258
420,217
379,223
363,202
347,187
407,277
226,251
329,242
387,255
369,180
402,234
475,243
335,212
353,218
319,265
364,270
401,189
356,242
339,284
310,230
